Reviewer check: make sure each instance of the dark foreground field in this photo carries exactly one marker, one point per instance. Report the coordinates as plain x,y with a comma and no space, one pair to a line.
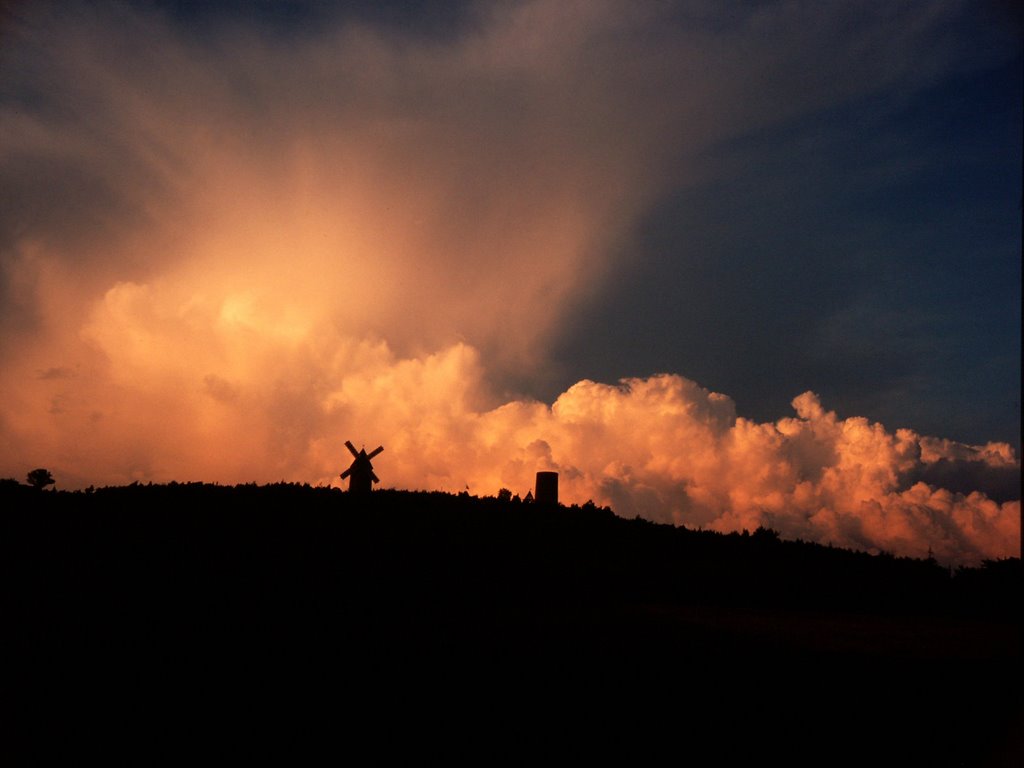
196,622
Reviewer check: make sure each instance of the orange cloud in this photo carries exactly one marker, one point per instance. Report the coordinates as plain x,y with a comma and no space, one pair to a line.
176,387
224,259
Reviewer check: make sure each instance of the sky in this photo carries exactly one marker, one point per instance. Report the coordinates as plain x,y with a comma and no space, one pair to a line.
719,265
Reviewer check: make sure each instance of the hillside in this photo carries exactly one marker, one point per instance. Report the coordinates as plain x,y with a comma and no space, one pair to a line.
591,627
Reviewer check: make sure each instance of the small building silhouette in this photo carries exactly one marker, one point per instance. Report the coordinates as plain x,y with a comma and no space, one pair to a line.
360,473
547,489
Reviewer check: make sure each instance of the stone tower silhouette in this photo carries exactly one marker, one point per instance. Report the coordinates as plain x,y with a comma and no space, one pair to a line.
547,489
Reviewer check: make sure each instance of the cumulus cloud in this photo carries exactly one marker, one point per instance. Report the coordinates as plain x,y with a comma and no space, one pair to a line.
668,450
223,256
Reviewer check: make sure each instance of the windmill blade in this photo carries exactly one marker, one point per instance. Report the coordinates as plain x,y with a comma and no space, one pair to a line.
376,450
351,448
374,477
346,473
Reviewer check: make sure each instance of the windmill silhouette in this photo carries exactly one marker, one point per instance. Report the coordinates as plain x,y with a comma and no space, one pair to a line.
360,473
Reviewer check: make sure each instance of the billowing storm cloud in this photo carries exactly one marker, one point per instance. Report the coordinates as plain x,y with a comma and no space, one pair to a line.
224,255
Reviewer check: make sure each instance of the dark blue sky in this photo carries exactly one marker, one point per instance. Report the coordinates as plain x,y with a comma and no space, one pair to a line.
870,252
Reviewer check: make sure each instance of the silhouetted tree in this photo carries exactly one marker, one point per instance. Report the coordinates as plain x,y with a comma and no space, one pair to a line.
765,534
40,478
504,494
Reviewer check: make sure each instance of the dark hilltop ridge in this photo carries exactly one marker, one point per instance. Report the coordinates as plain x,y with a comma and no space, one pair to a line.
497,630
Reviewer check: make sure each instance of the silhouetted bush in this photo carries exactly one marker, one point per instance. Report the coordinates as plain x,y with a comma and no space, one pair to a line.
40,478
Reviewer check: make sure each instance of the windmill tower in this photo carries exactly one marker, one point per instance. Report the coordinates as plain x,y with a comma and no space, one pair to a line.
360,473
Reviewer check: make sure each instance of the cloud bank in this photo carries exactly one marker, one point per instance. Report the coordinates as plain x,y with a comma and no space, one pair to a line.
224,255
